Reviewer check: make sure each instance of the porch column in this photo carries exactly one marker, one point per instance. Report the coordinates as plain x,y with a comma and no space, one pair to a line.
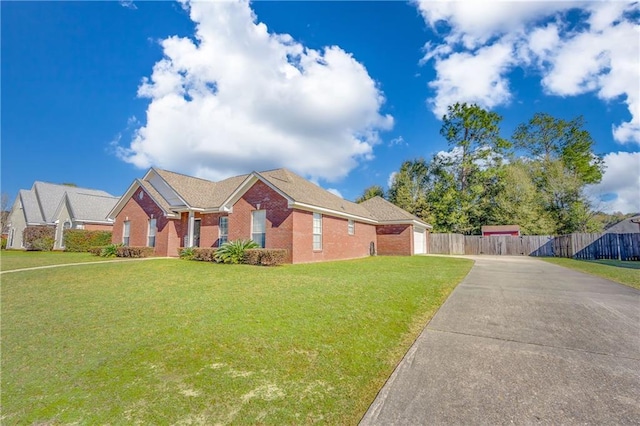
191,226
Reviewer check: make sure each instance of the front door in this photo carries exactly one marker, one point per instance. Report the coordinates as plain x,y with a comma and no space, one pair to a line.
196,232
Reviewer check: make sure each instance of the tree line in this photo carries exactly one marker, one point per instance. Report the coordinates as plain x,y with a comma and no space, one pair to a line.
535,179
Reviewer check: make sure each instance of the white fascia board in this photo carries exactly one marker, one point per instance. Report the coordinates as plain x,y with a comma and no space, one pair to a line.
239,191
415,223
99,222
330,212
123,200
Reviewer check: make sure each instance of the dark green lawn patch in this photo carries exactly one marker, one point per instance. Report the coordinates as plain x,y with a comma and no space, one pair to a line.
18,259
189,342
627,272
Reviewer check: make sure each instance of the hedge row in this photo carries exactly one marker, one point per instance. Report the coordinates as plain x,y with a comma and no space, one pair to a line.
39,237
123,251
81,240
265,257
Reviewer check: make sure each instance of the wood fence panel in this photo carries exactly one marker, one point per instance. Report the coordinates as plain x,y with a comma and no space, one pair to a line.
577,246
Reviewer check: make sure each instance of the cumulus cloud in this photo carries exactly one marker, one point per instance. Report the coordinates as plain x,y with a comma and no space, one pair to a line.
619,190
595,51
237,97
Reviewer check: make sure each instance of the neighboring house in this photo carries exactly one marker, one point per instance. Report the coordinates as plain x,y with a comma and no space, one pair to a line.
627,226
501,230
60,206
277,209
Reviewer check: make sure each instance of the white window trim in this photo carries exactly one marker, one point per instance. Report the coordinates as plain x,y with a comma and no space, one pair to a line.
155,231
264,232
351,227
220,234
126,234
317,217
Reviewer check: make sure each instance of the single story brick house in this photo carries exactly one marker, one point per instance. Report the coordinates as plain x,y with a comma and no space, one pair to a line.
61,207
276,208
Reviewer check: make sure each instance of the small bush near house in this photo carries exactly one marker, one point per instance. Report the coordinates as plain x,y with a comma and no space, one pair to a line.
265,257
39,238
110,251
134,251
233,251
204,254
96,251
186,253
3,243
79,240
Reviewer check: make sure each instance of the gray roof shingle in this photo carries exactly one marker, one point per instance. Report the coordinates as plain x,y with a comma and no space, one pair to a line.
49,196
625,226
89,207
30,205
384,211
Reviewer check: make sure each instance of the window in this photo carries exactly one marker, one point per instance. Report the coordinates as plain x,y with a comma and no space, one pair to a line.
152,233
125,233
317,231
11,234
224,230
258,226
351,227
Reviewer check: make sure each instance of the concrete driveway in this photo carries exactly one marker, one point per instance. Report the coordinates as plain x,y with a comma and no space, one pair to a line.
521,341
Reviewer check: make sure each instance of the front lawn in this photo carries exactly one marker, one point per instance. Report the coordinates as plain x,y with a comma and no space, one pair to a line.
19,259
182,342
627,272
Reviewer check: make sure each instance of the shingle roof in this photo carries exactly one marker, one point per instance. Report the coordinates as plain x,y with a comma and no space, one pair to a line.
89,207
303,191
159,199
384,211
49,196
30,206
625,226
201,193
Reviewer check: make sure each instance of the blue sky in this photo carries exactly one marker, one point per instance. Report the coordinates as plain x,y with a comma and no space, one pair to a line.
94,93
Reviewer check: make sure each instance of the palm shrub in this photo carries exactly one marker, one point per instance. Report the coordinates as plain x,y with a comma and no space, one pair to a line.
110,251
233,251
186,253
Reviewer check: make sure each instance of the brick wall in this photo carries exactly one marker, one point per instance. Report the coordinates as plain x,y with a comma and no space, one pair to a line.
337,244
138,212
97,227
279,219
395,240
209,228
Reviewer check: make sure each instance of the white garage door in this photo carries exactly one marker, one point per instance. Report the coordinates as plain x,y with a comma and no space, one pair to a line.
419,241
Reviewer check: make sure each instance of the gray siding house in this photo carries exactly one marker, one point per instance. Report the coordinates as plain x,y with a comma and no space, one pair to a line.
59,206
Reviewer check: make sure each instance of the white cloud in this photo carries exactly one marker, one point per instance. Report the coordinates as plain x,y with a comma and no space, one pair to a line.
128,4
334,191
398,141
482,42
238,98
620,184
391,179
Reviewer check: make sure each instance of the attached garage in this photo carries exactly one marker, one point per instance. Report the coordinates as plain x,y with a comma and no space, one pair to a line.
419,241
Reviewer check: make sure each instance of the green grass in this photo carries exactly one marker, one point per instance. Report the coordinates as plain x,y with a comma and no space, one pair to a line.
627,272
173,341
18,259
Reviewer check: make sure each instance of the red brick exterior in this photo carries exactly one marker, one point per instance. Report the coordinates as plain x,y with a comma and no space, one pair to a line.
138,212
395,239
286,228
97,227
336,242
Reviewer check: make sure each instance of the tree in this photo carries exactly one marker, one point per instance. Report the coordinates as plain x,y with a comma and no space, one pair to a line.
4,211
371,192
549,139
409,187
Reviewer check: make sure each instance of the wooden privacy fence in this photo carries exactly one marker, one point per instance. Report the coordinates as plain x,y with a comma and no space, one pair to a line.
578,246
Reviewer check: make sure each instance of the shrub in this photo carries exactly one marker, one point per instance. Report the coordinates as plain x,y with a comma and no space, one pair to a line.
233,251
3,243
96,251
79,240
265,257
40,238
186,253
204,254
124,251
110,251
